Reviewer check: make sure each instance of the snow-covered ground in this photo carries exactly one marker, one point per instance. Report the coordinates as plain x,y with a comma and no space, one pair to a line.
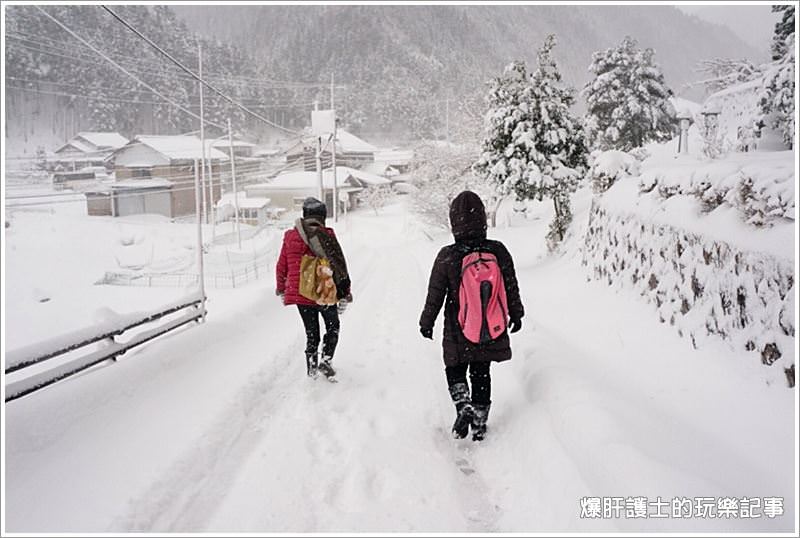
216,428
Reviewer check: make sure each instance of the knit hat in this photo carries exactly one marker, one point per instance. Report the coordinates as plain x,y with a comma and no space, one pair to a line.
314,208
468,217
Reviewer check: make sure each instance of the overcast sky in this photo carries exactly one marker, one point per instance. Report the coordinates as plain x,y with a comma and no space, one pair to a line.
754,24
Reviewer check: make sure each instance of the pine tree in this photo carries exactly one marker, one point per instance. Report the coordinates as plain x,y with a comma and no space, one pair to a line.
776,101
532,146
783,29
628,100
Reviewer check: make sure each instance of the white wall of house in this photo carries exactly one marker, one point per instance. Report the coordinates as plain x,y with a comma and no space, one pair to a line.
139,155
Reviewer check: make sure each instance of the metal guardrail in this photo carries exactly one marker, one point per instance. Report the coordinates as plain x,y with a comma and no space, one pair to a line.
28,356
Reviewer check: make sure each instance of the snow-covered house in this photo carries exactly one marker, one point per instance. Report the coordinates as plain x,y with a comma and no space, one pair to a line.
155,174
254,210
288,190
350,151
87,149
241,148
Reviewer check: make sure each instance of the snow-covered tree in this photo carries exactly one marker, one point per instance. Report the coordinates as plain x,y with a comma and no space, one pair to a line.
440,171
375,196
776,101
721,73
628,100
533,146
783,29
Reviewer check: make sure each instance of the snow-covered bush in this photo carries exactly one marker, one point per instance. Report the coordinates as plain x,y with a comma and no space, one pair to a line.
533,147
763,192
608,167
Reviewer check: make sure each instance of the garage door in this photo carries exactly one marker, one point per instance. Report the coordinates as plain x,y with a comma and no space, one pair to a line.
129,203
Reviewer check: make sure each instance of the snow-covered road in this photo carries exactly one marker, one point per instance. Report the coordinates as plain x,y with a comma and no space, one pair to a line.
217,428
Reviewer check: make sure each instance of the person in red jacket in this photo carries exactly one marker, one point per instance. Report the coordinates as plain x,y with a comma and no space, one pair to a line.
311,237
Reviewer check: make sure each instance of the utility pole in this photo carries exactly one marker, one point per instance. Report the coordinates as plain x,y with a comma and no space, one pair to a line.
211,198
332,91
319,161
447,117
333,161
200,272
202,132
235,191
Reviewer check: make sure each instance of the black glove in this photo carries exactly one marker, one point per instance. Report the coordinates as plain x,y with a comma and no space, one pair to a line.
515,325
426,332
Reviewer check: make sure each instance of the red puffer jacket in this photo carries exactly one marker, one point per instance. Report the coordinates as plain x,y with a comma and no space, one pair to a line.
287,272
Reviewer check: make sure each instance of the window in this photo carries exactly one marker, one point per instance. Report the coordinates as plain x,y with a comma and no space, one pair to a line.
140,172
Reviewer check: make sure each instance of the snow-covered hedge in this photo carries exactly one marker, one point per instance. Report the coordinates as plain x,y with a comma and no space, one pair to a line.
761,188
703,286
607,167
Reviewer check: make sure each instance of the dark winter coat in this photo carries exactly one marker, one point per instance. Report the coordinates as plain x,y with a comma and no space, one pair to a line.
468,223
294,247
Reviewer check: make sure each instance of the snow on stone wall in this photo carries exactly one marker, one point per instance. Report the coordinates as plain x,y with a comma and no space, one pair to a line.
704,287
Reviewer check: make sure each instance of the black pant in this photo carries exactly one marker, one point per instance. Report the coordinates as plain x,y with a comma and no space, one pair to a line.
330,314
479,377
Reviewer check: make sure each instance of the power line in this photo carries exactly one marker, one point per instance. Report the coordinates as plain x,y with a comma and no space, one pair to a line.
179,64
272,83
133,101
104,56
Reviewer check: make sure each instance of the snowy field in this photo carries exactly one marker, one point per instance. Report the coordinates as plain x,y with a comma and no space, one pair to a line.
216,428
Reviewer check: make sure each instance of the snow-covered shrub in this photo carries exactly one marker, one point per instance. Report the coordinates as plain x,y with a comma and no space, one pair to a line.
704,288
608,167
763,192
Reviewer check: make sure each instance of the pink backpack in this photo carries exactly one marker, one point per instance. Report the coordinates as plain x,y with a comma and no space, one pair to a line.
483,307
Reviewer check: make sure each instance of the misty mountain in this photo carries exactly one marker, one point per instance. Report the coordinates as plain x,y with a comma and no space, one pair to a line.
399,52
400,71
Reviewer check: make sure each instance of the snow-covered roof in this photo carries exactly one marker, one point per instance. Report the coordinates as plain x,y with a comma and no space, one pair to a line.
305,180
350,143
178,147
362,176
78,145
104,140
394,156
380,168
247,202
345,176
150,183
223,143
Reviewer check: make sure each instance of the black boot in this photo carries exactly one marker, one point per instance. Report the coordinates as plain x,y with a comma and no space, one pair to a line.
480,416
311,364
325,367
459,392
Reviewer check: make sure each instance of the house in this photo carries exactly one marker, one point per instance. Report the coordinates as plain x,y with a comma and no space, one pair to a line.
253,210
381,169
350,151
155,174
240,147
87,149
288,190
399,159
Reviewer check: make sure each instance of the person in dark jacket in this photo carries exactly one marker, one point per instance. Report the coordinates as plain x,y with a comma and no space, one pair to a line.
468,224
311,237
